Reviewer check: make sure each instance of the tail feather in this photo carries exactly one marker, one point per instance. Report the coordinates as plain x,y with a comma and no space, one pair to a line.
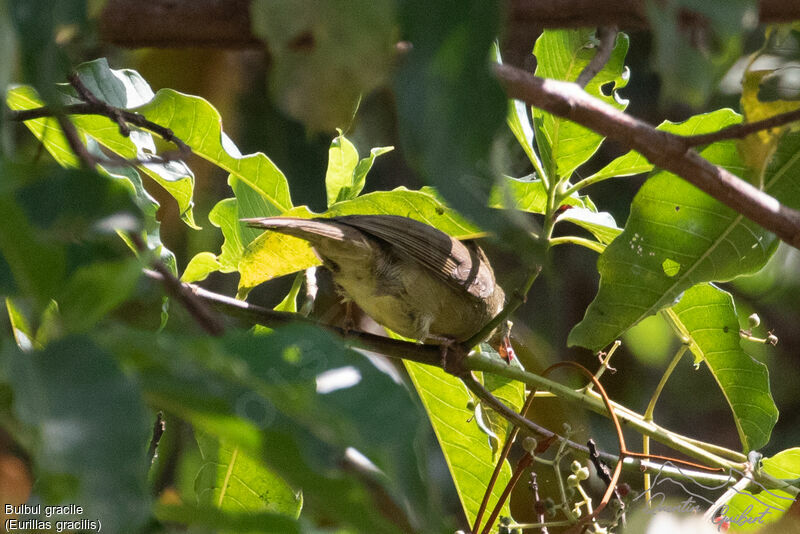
331,240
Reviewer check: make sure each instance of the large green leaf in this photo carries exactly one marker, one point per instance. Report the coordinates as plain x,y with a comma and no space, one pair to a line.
231,480
297,402
123,89
769,505
450,108
562,55
92,430
707,315
468,449
677,236
198,124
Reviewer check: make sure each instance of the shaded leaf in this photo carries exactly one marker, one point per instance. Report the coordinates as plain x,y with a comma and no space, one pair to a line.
707,314
92,430
317,75
231,480
198,124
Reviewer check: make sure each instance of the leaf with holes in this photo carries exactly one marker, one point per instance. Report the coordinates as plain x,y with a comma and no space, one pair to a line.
562,55
677,236
708,317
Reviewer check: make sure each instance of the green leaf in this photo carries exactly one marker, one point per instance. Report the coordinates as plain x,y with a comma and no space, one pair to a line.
562,55
672,220
466,447
23,334
346,174
92,430
231,480
198,124
528,195
602,225
200,266
326,55
770,505
37,265
708,316
342,161
95,290
223,521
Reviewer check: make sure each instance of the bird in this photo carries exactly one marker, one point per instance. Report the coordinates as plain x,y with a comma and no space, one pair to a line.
410,277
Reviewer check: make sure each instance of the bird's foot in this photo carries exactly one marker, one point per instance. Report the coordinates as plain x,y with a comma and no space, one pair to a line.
453,355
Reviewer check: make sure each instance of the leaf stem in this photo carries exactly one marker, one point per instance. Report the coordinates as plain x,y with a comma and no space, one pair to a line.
582,241
651,407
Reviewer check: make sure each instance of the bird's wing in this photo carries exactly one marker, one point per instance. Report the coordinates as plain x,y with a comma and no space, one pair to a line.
463,266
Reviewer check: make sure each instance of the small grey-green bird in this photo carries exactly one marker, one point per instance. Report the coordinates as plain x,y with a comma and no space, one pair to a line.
408,276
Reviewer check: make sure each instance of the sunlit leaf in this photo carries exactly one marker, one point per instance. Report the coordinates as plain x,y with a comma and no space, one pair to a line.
768,505
703,240
708,316
562,55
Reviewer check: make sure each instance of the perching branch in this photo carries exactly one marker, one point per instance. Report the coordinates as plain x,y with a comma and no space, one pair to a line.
431,355
663,149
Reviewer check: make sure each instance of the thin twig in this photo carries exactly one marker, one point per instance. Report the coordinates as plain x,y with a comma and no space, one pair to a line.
663,149
520,468
105,110
606,36
604,473
512,436
742,130
158,430
537,502
208,321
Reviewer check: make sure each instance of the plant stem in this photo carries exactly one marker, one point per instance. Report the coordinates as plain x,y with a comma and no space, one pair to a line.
592,401
582,241
651,406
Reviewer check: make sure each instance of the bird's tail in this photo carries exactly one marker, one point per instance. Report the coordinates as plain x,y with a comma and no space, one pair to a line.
323,234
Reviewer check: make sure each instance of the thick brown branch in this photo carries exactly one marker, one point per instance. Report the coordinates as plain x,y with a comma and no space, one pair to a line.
662,149
226,23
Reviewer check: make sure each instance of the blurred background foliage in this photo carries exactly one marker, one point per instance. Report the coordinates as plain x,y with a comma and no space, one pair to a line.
324,68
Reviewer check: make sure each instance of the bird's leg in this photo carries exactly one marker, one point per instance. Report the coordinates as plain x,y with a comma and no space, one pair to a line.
349,321
452,353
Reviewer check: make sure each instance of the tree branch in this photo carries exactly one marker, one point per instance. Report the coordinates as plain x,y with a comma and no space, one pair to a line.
663,149
226,23
431,355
